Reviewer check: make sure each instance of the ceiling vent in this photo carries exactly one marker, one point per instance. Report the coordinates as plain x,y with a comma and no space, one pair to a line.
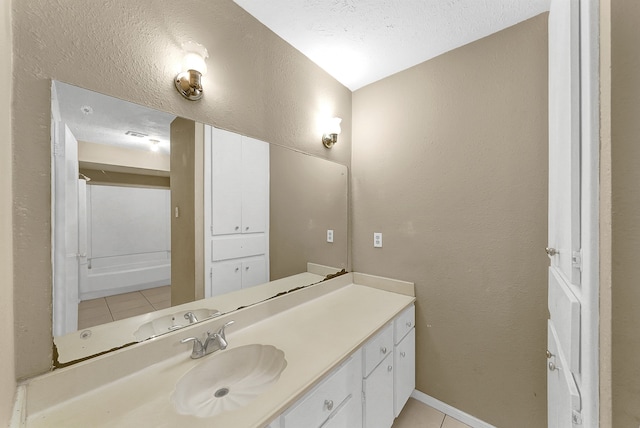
136,134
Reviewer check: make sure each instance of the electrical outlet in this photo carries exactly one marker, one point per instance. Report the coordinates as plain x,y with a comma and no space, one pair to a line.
377,240
329,235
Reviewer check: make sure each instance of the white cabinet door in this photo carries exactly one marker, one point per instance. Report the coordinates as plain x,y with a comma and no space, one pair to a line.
254,271
226,277
378,395
255,185
404,380
226,182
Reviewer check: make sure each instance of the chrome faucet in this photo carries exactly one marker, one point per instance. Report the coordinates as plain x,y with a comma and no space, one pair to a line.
191,317
214,342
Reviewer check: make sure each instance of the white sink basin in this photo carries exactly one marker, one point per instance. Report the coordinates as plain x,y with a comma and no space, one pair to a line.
171,322
228,380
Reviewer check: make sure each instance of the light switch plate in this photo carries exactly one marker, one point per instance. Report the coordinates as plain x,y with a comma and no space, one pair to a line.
377,239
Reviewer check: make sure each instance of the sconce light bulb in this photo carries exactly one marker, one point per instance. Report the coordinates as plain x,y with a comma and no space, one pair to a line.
331,134
334,126
189,81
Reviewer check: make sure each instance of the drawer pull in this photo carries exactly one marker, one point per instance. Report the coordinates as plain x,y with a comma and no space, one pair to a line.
383,350
389,368
328,404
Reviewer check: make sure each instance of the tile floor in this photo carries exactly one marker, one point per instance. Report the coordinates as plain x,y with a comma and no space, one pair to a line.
418,415
112,308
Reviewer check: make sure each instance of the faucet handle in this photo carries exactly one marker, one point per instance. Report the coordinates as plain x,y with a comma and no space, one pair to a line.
198,347
221,331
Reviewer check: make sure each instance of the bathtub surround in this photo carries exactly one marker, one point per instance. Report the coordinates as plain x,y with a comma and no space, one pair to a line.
462,201
7,369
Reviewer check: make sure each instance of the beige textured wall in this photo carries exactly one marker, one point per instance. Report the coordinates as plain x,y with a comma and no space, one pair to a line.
450,164
625,168
7,372
300,183
256,85
187,195
108,157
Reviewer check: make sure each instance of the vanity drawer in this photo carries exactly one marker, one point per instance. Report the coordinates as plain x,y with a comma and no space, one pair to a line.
377,348
335,394
404,323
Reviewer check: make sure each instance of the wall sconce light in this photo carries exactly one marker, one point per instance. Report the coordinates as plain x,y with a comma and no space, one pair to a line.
189,82
330,137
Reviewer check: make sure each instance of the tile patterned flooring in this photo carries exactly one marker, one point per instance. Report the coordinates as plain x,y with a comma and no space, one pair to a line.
106,309
112,308
418,415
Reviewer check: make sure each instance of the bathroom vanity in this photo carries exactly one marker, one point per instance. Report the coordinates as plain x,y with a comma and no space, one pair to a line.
348,344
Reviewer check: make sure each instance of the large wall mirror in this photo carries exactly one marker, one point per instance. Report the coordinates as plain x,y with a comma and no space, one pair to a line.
159,221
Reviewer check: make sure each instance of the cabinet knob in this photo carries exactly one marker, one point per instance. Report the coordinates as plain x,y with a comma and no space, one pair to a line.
549,354
409,324
328,404
551,251
237,269
383,350
237,227
552,366
389,368
246,228
403,354
246,268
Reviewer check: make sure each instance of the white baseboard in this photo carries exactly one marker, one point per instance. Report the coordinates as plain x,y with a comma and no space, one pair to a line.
449,410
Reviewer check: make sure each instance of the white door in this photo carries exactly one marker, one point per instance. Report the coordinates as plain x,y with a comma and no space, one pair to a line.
255,185
226,182
254,271
226,277
563,352
65,234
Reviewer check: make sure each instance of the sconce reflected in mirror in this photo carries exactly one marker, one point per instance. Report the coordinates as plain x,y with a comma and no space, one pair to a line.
332,130
189,82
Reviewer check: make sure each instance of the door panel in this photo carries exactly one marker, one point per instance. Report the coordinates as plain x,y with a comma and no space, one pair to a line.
254,271
564,137
226,182
564,214
255,188
65,235
563,395
226,277
564,309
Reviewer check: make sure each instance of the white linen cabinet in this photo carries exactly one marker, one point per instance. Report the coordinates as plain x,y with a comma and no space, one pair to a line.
236,211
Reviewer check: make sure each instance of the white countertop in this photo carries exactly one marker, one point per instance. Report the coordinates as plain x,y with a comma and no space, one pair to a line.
315,335
104,337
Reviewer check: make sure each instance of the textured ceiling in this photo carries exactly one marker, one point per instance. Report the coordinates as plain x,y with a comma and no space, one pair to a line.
101,119
361,41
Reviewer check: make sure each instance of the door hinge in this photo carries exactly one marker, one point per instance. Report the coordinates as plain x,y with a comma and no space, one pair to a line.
576,259
576,418
58,149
